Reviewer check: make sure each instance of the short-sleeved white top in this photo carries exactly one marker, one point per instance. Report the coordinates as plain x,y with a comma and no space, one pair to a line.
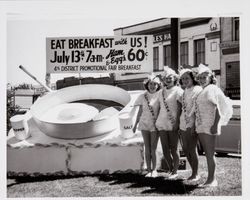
189,96
210,98
147,119
168,108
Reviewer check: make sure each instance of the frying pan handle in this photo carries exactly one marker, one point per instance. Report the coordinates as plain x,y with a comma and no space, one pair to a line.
33,77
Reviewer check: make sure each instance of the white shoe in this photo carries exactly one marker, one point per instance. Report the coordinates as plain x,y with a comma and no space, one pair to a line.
173,176
149,174
154,174
168,174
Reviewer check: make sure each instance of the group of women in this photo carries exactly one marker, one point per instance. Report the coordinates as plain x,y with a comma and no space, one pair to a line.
186,106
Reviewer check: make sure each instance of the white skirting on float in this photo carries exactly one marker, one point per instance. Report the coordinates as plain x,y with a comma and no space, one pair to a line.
44,155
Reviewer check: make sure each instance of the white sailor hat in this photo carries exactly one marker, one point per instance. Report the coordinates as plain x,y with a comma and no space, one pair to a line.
183,71
203,68
169,71
152,77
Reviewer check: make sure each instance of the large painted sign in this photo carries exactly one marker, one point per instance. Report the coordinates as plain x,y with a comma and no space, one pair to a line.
117,54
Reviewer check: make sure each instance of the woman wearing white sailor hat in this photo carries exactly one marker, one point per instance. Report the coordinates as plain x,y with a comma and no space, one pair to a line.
168,119
188,135
148,111
212,110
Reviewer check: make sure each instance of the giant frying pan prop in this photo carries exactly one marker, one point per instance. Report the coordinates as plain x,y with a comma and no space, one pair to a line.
71,113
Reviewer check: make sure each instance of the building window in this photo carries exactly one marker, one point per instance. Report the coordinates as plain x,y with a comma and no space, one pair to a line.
199,51
233,75
156,58
184,53
236,29
233,80
167,55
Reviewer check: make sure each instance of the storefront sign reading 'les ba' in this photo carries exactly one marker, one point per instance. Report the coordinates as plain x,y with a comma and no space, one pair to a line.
100,54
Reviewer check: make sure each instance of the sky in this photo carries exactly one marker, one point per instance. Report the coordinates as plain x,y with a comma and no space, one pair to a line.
26,42
24,25
29,23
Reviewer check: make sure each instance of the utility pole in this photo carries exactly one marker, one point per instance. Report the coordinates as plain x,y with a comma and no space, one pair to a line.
175,43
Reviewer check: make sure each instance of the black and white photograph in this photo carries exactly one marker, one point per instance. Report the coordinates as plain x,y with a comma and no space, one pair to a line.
143,99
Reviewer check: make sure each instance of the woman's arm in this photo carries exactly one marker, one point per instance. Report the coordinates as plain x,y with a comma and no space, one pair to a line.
138,116
216,121
192,129
177,122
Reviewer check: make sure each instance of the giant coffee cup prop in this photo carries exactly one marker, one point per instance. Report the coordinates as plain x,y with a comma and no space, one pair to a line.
59,114
20,126
126,124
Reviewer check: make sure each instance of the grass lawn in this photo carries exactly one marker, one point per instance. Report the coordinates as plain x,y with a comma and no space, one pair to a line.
228,175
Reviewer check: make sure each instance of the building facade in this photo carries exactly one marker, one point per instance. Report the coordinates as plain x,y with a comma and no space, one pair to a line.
202,40
230,56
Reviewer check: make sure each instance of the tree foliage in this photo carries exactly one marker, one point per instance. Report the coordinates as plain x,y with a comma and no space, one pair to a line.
11,108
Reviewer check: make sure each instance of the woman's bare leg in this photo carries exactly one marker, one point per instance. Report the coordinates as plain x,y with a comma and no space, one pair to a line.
164,137
146,139
208,143
174,151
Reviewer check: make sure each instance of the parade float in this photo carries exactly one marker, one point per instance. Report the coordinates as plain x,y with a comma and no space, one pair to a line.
84,128
81,129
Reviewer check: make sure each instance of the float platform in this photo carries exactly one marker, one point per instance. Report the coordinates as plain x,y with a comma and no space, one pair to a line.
44,155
